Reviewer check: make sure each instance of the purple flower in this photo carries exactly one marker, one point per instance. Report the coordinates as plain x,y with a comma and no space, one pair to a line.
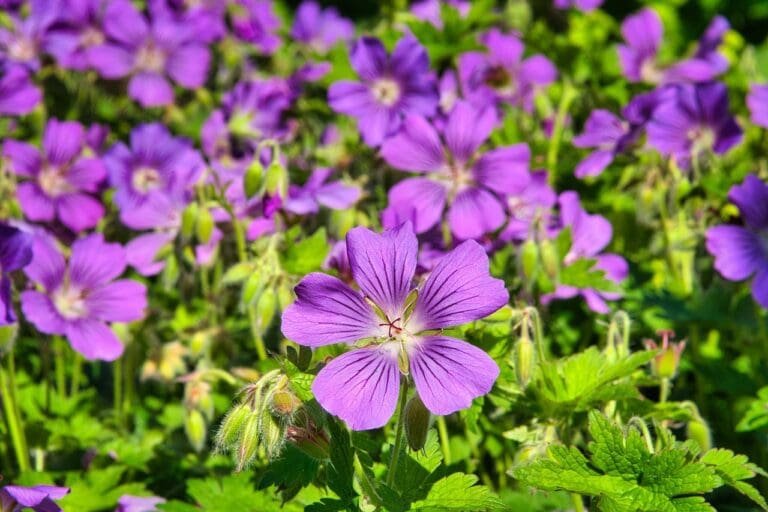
757,101
694,119
205,18
590,234
320,28
582,5
60,181
254,21
129,503
472,183
24,41
502,75
149,53
318,191
430,10
530,210
77,32
390,87
741,252
153,177
79,296
40,498
15,254
18,95
361,386
606,132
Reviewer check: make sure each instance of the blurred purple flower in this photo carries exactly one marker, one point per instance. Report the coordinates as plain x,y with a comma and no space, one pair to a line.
15,254
317,191
80,296
153,177
338,260
741,252
390,87
361,386
128,503
471,183
757,101
204,18
590,234
23,42
430,10
149,53
60,181
76,33
694,119
18,95
530,210
582,5
501,74
255,22
320,28
40,498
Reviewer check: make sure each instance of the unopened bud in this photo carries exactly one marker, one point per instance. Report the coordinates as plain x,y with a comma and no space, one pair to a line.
667,361
248,442
189,219
549,258
254,178
7,337
525,359
529,258
417,420
276,179
195,428
272,434
284,295
232,426
266,307
204,225
284,403
698,431
311,440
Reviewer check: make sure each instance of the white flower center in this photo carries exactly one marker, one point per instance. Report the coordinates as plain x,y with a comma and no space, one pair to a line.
150,58
702,138
70,302
22,49
91,36
53,181
386,91
146,179
649,72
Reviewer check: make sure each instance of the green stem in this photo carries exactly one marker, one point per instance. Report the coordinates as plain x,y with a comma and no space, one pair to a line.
664,388
14,425
258,339
578,502
15,397
117,390
445,444
77,373
398,433
60,366
569,94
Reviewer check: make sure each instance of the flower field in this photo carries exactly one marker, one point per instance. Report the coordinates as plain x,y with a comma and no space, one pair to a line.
439,256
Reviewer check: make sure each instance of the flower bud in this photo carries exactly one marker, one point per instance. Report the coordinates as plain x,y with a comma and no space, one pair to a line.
529,258
8,338
284,403
195,428
276,179
284,295
247,445
232,426
667,361
254,178
549,258
525,359
698,430
272,434
189,219
417,420
204,225
265,308
311,439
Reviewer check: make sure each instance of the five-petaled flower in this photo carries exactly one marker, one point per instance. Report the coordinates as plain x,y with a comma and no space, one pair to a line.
39,498
398,326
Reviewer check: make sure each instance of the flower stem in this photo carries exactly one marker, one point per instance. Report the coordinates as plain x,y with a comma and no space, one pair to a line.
14,425
117,390
664,388
398,433
445,445
59,362
569,94
578,502
77,372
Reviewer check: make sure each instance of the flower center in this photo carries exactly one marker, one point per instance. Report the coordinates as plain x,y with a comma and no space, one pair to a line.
386,91
649,72
500,79
701,137
70,302
91,36
448,100
22,49
150,58
146,179
53,181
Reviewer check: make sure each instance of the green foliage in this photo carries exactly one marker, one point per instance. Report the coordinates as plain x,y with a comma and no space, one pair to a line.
626,472
305,255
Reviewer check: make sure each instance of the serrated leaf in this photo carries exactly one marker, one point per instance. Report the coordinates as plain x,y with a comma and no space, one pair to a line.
458,492
306,255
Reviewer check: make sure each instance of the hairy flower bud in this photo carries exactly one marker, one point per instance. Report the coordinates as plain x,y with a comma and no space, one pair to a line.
667,361
529,257
247,445
284,403
310,439
276,179
196,429
525,359
232,426
272,434
417,421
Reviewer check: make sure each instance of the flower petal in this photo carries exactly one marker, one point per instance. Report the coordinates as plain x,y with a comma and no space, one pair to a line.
327,311
418,200
63,141
25,158
188,66
416,147
94,340
337,195
474,213
450,373
504,170
150,90
351,98
760,287
95,262
360,387
383,264
34,203
141,252
79,211
460,289
737,251
39,310
121,301
467,128
47,266
368,58
752,199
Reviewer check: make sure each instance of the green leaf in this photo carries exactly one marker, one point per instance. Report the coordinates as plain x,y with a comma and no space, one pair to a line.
458,492
306,255
340,469
733,469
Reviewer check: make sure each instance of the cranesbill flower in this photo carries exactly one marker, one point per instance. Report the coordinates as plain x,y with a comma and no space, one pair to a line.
582,5
390,87
153,177
401,324
23,41
59,181
430,10
501,74
149,53
472,183
40,498
15,254
18,95
255,22
590,234
757,101
693,120
204,18
741,252
320,28
530,210
128,503
318,191
76,33
78,297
